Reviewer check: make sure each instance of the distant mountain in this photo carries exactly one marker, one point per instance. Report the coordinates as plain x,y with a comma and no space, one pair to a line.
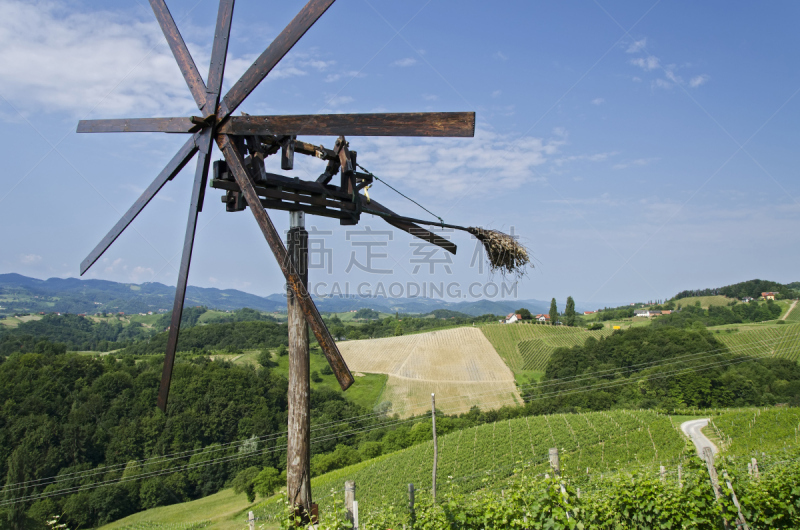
21,294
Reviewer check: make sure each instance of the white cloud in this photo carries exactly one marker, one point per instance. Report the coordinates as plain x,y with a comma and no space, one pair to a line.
662,83
111,63
331,78
408,61
699,80
598,101
114,264
337,101
454,164
29,259
496,93
140,273
501,56
646,63
634,163
430,97
636,46
596,157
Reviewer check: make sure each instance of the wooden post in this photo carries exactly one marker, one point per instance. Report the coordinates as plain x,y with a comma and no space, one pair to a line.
298,457
754,462
355,515
435,444
349,499
680,482
412,515
555,463
740,520
663,473
251,521
708,456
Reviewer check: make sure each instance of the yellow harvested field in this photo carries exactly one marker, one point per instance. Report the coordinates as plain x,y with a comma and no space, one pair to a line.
459,365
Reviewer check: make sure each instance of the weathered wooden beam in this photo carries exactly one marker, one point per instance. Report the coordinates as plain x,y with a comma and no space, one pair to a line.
163,125
201,174
174,166
447,124
219,53
323,336
284,195
271,56
411,228
180,52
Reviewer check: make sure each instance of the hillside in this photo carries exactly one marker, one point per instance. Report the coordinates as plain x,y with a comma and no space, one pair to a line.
750,288
458,365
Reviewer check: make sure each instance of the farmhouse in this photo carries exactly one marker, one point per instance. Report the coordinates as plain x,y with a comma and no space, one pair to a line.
646,313
542,318
513,317
769,295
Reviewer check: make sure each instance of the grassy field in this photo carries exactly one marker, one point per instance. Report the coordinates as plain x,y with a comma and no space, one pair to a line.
459,365
705,301
366,391
222,511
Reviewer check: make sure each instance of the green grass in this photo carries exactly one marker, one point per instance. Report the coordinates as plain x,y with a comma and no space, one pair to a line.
222,511
794,316
527,347
705,301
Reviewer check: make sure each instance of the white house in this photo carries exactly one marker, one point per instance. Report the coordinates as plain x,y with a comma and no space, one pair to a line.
513,317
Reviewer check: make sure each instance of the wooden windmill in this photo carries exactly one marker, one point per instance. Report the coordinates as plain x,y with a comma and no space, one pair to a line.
244,142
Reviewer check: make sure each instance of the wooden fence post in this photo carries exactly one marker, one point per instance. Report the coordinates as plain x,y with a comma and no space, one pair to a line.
251,520
435,444
349,499
680,482
555,463
708,456
355,515
662,472
754,462
740,520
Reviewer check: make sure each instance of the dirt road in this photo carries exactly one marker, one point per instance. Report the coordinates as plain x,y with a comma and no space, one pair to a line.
791,308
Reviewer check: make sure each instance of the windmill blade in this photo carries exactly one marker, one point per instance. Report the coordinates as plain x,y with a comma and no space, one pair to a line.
271,56
172,168
326,342
219,53
196,205
458,124
180,51
411,228
164,125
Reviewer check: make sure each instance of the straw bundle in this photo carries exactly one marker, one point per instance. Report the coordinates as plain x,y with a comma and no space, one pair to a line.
505,254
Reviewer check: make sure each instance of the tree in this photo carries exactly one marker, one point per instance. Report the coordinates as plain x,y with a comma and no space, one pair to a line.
553,312
524,313
267,481
569,312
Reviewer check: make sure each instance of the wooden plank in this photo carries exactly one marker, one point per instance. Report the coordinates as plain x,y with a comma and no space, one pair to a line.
201,174
174,166
323,336
283,195
411,228
219,52
271,56
163,125
180,52
430,124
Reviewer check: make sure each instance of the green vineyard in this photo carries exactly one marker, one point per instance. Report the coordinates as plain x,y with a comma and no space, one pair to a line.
486,456
528,346
769,341
755,430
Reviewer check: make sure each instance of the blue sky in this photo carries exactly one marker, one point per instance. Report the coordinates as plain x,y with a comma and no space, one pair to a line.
638,148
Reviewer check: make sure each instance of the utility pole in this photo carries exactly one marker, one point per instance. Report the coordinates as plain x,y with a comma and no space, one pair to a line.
298,455
435,444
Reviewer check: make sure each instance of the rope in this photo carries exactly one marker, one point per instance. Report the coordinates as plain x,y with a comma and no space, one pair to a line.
399,192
